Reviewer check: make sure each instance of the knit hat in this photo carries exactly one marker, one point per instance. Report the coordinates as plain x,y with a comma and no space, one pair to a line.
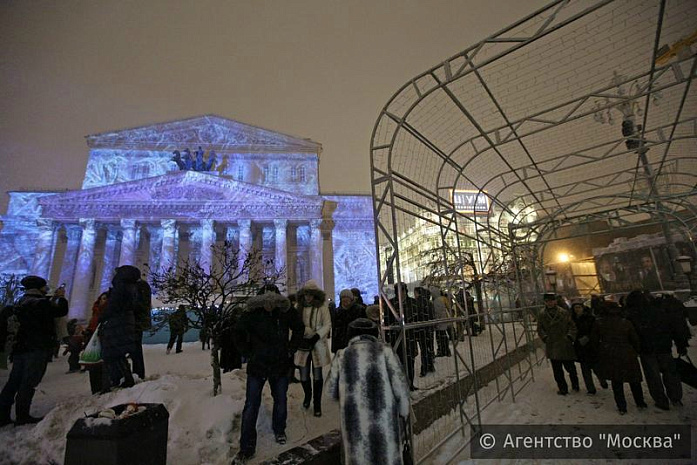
361,326
33,282
346,293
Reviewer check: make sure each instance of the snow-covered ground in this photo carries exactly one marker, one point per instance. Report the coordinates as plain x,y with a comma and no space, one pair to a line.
205,430
538,404
202,429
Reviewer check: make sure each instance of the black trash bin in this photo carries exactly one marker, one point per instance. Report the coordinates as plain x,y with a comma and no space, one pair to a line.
139,439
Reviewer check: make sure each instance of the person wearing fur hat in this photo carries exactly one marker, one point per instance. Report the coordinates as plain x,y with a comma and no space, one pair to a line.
373,393
347,311
262,335
33,345
312,303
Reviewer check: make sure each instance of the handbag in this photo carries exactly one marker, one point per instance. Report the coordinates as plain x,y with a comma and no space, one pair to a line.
300,358
93,351
687,371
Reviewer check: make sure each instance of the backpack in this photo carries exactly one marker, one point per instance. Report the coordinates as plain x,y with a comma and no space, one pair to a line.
9,327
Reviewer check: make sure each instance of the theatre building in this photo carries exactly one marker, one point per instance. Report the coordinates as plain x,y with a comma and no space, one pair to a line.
158,194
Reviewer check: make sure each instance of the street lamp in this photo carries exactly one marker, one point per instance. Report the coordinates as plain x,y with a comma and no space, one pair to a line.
551,276
685,262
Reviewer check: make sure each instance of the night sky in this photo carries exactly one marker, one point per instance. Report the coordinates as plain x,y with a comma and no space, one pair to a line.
319,69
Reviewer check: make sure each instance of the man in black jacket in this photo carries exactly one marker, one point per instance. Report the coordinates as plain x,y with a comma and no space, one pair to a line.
659,324
261,334
410,309
34,343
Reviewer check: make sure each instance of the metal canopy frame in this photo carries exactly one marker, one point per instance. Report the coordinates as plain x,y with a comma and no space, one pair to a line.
583,112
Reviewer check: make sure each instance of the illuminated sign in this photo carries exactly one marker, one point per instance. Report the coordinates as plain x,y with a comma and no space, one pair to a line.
471,201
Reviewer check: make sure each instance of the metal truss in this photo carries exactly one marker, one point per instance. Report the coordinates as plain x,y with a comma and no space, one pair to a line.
581,114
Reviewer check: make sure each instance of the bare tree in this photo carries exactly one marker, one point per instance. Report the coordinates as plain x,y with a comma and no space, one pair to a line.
9,289
215,296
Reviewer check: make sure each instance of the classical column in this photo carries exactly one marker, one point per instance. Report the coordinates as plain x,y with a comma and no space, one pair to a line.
316,269
245,240
79,305
44,247
155,247
128,242
207,241
169,233
281,244
109,258
72,233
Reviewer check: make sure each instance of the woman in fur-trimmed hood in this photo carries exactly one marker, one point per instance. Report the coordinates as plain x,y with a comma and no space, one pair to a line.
318,323
319,297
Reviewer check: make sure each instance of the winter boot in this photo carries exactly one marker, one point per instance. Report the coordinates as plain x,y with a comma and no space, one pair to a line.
128,380
22,407
318,397
307,388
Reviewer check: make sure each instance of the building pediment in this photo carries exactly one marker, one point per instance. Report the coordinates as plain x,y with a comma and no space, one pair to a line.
209,132
181,194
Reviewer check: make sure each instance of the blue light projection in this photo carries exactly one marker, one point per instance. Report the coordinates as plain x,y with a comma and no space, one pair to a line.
131,181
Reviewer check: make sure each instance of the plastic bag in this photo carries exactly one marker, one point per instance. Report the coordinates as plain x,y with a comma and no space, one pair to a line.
93,351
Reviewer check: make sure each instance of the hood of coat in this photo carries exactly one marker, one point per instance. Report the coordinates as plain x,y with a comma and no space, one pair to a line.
319,297
275,300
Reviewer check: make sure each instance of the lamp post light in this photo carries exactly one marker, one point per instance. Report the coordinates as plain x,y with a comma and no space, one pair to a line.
685,262
551,276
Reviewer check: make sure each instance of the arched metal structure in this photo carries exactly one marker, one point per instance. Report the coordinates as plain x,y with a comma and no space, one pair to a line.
582,113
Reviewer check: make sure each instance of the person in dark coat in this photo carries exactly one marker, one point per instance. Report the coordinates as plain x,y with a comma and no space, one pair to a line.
33,345
424,336
358,297
262,335
347,311
558,331
230,357
657,331
117,328
178,325
617,344
586,355
75,345
143,316
410,308
369,383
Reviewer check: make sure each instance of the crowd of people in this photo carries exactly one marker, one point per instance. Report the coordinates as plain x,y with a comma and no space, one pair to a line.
617,341
276,336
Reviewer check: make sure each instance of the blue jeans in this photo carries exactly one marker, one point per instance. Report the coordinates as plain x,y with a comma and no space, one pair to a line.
28,369
279,390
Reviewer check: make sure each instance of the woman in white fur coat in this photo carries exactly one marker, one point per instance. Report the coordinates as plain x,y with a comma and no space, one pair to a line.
312,303
373,394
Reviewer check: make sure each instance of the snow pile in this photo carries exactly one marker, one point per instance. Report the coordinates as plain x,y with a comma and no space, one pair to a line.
202,429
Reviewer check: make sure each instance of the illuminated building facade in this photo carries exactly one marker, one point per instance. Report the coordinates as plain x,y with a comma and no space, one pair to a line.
157,194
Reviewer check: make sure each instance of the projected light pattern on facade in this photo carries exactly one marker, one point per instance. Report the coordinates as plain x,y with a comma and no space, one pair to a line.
138,206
